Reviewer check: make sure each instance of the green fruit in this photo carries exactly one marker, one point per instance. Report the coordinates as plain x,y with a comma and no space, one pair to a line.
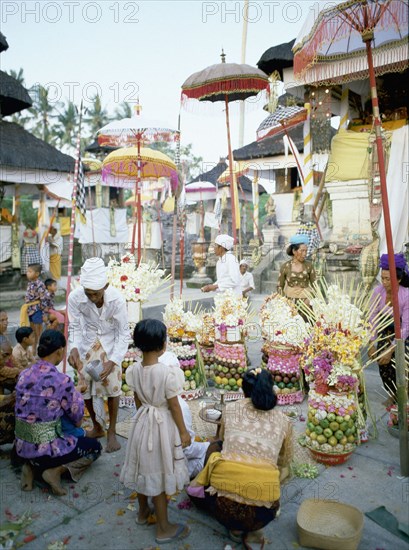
348,432
339,419
313,436
318,430
333,441
351,423
331,417
310,426
328,433
334,426
353,430
321,439
281,385
289,385
339,434
324,423
232,382
344,426
315,421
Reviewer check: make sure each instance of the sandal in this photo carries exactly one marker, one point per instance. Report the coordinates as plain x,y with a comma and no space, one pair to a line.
182,532
254,545
146,520
235,537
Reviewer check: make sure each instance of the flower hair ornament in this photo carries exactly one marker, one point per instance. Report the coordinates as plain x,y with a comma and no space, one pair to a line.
256,371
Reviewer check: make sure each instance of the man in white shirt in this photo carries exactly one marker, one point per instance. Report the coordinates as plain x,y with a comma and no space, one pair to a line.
227,267
98,320
247,279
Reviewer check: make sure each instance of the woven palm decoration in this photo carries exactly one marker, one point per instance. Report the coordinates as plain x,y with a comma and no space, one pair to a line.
369,260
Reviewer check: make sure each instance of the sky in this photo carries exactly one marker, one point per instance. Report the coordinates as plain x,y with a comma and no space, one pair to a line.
125,50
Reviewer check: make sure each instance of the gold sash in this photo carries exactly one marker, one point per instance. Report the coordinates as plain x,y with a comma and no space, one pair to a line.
38,432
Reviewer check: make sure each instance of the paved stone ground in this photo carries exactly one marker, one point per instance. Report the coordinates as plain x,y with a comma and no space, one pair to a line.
99,513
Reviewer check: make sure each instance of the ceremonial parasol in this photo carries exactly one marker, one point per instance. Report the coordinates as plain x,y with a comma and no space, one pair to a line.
200,191
121,167
136,131
226,82
282,117
354,40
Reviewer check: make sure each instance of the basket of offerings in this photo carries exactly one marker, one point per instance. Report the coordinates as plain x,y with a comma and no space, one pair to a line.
183,326
284,331
126,399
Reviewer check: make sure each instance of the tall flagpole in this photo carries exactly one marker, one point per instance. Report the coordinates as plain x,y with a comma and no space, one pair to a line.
72,228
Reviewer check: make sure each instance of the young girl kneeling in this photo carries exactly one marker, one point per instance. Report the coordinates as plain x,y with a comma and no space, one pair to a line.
154,463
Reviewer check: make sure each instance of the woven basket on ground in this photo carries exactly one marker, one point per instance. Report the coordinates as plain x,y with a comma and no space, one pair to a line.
329,524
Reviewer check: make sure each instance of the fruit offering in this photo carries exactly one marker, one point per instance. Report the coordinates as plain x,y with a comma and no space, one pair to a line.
332,423
133,354
230,364
208,361
186,352
284,364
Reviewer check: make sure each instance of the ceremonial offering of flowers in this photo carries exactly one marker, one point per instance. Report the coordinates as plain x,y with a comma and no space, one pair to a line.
126,399
206,335
135,282
281,323
181,323
230,309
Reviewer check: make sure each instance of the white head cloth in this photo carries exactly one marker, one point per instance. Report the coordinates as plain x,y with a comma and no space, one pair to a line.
94,274
225,241
244,262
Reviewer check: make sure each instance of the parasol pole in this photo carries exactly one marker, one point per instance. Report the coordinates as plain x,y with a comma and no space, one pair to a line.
231,168
138,201
175,220
402,395
72,228
243,60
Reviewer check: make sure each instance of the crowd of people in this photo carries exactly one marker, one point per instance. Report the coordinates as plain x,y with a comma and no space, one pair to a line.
235,477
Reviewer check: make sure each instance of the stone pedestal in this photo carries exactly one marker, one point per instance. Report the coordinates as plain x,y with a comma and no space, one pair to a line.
288,229
271,234
350,211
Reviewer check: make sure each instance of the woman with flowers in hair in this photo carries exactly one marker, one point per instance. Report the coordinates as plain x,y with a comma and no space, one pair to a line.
382,296
240,483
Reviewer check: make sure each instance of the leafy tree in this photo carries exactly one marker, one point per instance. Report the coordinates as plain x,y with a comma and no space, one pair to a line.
97,116
123,111
44,114
191,164
67,126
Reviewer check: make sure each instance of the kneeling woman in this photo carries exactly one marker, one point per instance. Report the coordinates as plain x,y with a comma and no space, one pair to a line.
48,411
242,482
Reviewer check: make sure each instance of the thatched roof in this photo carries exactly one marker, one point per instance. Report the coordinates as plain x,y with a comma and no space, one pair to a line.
274,145
3,43
13,96
277,58
213,175
20,149
270,147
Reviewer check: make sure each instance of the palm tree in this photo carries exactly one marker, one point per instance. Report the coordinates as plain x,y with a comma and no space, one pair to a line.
44,111
97,116
67,126
124,110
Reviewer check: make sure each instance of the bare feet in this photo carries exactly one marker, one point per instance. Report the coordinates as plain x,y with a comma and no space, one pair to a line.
53,478
112,443
96,432
27,477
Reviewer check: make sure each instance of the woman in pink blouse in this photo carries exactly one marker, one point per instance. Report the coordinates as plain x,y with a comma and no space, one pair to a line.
382,295
48,410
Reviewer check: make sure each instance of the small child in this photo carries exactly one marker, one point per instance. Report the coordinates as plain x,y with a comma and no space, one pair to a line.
53,317
154,463
23,355
37,293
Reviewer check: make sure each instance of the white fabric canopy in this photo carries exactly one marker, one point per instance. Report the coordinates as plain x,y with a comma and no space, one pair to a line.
398,192
100,220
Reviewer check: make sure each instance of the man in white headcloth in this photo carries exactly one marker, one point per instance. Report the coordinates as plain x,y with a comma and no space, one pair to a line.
247,279
227,267
99,337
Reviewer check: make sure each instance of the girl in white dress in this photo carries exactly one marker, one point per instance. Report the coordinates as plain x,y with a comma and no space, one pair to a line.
155,465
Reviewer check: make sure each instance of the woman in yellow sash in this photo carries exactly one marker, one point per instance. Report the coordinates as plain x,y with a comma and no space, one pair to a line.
240,482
